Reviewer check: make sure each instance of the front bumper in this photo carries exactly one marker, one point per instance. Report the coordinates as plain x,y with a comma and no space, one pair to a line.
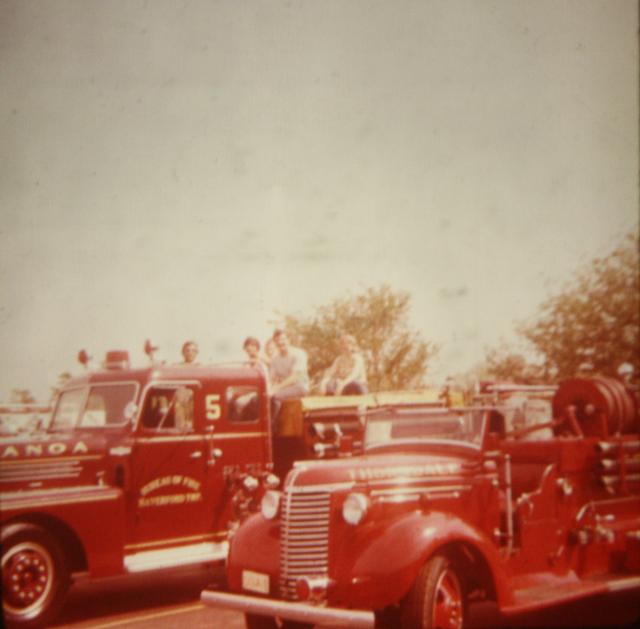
300,612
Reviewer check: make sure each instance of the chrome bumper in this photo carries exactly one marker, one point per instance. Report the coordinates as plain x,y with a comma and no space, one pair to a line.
301,612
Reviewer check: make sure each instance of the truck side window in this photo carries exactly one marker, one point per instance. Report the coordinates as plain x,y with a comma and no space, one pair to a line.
68,408
242,404
169,409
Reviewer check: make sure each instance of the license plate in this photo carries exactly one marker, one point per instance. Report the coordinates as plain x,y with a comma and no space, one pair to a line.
255,582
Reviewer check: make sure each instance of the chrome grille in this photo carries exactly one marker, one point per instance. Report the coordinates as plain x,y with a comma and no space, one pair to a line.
304,542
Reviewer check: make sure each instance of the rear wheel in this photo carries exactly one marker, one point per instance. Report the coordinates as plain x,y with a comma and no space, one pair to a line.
437,598
267,622
35,577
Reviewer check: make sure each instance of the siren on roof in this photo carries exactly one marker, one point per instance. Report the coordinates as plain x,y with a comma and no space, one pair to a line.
117,359
83,358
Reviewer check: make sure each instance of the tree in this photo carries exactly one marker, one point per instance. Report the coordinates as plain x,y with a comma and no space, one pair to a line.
21,396
63,378
507,365
397,357
595,318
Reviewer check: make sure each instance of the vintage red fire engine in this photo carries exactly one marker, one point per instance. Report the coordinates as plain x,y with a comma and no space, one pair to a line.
446,507
148,469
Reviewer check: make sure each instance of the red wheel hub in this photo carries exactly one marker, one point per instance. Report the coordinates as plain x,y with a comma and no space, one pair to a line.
25,578
447,606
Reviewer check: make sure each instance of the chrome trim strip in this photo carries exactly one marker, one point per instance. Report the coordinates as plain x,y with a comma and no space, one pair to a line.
411,483
422,442
55,459
300,612
173,540
310,489
44,493
238,435
41,475
431,490
398,499
120,451
181,437
150,560
56,502
624,584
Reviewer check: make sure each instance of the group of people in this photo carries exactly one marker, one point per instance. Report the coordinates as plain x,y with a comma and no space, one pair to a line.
287,371
286,367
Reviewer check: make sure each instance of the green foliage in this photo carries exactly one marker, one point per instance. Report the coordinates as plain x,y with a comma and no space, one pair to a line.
505,365
21,396
596,318
397,357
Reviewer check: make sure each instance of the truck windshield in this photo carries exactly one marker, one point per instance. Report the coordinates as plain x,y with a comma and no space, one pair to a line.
96,406
462,427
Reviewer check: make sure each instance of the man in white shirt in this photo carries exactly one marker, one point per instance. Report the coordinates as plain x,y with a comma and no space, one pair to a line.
189,353
287,372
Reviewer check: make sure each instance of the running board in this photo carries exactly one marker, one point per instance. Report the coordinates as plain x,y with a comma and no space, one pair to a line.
176,557
540,597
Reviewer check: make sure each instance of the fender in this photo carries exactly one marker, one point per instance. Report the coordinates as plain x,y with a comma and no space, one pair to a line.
256,547
385,561
101,536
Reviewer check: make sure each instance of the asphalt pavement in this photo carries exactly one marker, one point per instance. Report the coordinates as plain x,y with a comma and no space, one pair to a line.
164,602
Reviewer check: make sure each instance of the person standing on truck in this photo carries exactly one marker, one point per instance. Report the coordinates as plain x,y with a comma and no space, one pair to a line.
189,353
251,347
348,374
270,350
288,373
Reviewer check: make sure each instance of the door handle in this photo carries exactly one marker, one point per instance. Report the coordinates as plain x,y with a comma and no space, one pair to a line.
216,453
195,455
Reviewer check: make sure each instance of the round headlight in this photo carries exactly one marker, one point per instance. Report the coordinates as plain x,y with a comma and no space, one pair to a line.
270,504
271,481
354,509
250,483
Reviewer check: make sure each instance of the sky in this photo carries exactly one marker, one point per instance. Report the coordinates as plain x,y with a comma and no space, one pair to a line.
176,170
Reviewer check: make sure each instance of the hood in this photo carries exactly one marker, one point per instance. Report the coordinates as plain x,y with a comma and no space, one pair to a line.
50,459
381,468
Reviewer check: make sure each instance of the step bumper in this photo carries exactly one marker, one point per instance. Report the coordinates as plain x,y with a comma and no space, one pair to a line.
300,612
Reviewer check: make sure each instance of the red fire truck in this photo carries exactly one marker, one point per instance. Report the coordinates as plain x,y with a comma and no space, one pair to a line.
148,469
446,507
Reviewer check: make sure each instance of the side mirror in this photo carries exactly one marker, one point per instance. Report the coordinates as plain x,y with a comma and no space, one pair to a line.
83,358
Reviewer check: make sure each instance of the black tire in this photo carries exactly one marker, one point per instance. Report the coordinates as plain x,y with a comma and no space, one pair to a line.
268,622
437,598
35,577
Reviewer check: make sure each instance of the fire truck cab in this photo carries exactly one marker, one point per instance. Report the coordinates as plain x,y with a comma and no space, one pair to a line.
137,471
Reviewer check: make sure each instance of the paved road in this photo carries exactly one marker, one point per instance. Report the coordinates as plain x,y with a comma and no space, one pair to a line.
157,602
174,602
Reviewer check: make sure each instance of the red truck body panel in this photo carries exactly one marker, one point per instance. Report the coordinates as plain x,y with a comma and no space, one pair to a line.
531,517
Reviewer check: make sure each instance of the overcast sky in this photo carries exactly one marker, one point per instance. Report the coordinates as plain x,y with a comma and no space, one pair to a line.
176,170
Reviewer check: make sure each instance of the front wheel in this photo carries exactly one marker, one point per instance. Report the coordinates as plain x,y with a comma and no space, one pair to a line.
35,577
267,622
437,598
